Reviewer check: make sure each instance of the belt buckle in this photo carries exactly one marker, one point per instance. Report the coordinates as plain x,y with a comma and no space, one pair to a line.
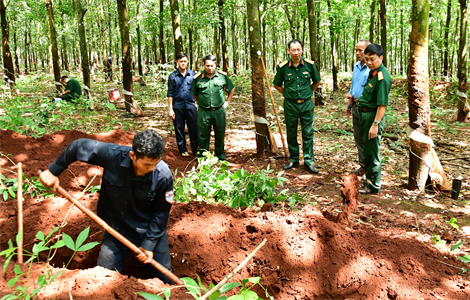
300,101
212,108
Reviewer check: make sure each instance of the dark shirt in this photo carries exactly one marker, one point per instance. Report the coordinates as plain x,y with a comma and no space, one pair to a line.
109,63
74,87
179,88
138,204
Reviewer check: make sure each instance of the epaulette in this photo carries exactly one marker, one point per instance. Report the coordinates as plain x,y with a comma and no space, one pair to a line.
283,64
309,61
222,72
197,75
381,76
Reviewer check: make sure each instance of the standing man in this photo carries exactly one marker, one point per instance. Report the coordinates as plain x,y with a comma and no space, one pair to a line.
359,79
73,89
300,78
109,67
181,106
208,89
371,107
135,199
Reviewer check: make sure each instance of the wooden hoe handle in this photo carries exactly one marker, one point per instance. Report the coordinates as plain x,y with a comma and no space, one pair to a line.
117,235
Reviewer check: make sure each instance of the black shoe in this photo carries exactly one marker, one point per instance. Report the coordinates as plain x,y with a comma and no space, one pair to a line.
291,165
311,169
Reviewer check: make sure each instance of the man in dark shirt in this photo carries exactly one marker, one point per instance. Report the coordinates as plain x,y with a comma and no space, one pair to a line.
181,104
135,199
73,89
109,67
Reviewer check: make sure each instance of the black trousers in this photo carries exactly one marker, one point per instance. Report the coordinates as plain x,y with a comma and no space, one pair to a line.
186,116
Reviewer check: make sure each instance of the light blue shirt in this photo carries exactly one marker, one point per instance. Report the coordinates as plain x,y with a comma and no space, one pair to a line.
359,79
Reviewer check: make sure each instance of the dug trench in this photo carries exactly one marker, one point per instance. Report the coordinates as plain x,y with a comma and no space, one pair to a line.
307,256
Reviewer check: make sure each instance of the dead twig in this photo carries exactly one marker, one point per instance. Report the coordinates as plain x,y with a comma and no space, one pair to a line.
237,269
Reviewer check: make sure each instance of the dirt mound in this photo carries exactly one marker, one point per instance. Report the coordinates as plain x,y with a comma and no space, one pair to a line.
306,256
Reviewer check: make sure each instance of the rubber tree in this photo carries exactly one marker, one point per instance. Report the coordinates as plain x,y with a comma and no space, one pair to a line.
312,28
223,35
7,59
139,40
234,38
264,140
83,46
446,38
131,104
463,107
418,97
334,52
383,29
64,44
176,24
54,48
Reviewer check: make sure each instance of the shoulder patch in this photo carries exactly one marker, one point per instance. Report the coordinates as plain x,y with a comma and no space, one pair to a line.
282,64
381,76
169,197
309,61
197,75
222,72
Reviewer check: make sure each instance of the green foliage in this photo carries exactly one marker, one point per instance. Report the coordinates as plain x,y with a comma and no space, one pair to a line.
212,181
44,243
33,187
452,222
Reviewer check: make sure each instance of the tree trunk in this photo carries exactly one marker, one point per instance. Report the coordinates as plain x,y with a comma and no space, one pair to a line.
83,47
26,51
161,35
418,97
131,104
222,36
110,36
7,59
372,21
245,36
139,42
234,39
15,51
334,55
464,107
383,30
264,139
176,24
64,44
402,48
55,49
312,29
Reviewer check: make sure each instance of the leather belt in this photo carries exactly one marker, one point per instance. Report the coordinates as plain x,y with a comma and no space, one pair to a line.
212,108
298,100
366,109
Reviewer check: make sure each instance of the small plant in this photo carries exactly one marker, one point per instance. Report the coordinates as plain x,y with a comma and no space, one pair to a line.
195,289
27,291
34,187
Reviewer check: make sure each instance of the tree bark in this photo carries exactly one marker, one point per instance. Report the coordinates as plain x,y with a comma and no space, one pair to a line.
131,104
176,24
312,28
64,44
139,41
264,140
161,36
334,54
234,39
383,30
245,42
418,97
463,107
372,21
83,46
7,59
15,51
55,49
223,36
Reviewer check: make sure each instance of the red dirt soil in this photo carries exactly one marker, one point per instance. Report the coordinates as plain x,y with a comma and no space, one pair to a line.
306,257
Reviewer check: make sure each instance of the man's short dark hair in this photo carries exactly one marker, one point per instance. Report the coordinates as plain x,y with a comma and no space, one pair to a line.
374,49
149,144
63,77
294,41
181,55
209,57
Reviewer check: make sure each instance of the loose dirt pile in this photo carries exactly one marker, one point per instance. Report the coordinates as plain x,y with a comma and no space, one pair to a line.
306,257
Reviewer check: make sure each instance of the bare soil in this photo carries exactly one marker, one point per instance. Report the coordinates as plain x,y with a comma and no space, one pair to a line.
376,252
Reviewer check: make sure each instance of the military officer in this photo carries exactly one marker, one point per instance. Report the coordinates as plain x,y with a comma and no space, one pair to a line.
300,78
208,89
371,107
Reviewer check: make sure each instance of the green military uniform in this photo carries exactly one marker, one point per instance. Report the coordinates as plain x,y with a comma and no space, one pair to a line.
210,93
376,92
298,105
75,90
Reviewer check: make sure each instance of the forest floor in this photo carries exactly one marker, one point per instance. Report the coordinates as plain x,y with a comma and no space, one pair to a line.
395,246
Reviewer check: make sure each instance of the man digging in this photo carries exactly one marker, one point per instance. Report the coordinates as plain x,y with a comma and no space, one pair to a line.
135,198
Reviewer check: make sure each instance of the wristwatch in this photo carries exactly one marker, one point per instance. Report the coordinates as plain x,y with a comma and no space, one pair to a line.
376,122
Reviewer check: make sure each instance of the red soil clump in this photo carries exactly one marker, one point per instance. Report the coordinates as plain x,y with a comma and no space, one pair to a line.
306,257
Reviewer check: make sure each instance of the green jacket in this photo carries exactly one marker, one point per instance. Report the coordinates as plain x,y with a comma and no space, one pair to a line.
74,87
210,91
297,80
377,88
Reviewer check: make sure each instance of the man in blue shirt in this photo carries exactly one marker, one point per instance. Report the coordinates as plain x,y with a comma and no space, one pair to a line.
359,79
135,199
181,104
